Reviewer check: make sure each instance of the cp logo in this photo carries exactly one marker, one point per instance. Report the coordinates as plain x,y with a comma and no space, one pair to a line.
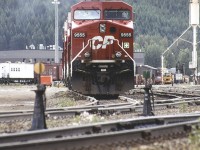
98,41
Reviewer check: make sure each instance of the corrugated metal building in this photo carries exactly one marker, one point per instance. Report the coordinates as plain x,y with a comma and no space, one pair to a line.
46,56
29,56
139,58
141,68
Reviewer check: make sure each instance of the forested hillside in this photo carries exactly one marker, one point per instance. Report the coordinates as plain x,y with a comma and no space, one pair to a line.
25,22
157,24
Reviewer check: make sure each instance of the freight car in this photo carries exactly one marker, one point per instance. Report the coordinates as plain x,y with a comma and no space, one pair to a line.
16,73
54,70
21,72
98,48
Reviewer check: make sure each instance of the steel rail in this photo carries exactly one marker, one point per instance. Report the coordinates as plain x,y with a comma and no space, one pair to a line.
130,101
103,109
95,139
184,94
66,108
110,126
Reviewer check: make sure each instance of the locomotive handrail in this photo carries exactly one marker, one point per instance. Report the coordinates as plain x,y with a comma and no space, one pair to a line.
134,69
123,49
79,54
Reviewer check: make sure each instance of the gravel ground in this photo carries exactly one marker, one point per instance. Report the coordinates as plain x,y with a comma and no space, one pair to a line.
22,97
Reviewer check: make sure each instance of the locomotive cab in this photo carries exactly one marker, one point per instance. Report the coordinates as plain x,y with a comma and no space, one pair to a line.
99,48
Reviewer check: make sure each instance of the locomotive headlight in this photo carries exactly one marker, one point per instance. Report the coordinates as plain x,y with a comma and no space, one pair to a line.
118,54
87,54
102,28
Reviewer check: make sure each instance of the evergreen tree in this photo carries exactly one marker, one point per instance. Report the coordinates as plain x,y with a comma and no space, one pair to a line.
157,24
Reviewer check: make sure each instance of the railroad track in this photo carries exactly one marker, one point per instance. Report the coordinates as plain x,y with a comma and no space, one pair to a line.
100,135
62,112
104,135
129,106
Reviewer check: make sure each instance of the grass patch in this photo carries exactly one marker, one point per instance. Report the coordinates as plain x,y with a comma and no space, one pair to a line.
65,102
183,108
194,138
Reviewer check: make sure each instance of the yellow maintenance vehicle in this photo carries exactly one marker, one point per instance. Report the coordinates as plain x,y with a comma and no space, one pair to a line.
167,78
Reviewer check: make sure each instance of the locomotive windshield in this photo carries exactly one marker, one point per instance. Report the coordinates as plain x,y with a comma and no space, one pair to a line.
87,14
117,14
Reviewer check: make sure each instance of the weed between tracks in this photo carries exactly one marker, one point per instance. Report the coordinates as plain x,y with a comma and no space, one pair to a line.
61,99
183,108
194,138
64,102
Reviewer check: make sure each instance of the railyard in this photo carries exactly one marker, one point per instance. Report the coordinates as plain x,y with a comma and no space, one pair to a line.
91,119
100,92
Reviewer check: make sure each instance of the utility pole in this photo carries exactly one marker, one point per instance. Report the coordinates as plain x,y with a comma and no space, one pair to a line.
194,24
56,3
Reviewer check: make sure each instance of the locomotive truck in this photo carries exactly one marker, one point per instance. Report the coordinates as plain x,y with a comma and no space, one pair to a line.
98,48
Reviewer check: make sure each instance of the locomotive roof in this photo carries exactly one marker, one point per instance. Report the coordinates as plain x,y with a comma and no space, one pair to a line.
101,0
101,4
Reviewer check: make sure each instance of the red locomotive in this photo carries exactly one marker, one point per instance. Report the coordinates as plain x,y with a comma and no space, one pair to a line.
98,48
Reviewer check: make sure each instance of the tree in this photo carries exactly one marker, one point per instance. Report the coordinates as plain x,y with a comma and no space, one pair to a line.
185,57
153,46
3,43
38,38
153,18
17,42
